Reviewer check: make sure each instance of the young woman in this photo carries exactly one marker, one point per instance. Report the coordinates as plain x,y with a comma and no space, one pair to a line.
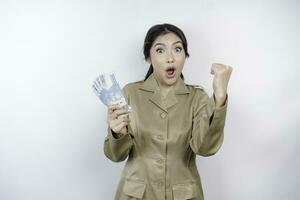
169,124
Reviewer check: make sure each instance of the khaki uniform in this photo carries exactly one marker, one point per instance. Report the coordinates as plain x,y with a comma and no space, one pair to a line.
164,137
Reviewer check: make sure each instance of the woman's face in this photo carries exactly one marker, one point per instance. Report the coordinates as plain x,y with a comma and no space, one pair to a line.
167,57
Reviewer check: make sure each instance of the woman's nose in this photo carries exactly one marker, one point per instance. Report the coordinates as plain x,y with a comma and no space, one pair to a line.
170,57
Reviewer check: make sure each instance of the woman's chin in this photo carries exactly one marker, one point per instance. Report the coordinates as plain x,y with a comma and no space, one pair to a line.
171,81
167,81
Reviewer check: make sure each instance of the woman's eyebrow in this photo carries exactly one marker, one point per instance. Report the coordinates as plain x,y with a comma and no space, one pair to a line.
165,45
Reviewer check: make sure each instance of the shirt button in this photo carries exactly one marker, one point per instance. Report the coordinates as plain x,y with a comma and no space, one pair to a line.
160,184
163,115
159,160
160,137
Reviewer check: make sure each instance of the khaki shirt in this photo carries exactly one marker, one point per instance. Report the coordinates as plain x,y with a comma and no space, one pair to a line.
165,135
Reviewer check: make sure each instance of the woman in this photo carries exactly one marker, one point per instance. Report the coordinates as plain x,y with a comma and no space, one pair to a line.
169,124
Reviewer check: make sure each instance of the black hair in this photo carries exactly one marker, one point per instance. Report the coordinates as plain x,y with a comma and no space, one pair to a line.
153,33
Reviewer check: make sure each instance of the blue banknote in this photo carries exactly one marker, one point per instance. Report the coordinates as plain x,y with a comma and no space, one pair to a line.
109,91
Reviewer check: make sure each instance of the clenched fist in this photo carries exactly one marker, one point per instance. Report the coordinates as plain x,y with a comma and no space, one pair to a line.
220,82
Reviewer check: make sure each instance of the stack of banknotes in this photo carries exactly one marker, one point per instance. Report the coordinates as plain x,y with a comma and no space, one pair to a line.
109,91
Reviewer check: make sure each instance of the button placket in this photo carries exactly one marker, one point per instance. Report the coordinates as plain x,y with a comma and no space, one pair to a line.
159,160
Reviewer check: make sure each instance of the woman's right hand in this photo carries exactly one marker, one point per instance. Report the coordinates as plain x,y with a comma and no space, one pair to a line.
118,119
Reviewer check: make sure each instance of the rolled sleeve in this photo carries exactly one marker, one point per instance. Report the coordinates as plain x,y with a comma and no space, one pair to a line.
219,113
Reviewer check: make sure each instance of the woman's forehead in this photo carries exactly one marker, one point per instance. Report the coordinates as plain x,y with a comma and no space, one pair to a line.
169,38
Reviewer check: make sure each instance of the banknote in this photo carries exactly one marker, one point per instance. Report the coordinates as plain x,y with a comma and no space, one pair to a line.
109,91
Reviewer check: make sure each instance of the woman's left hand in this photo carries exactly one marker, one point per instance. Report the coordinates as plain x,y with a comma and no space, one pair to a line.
220,82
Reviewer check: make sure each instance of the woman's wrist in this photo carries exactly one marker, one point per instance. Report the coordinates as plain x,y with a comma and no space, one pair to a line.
220,100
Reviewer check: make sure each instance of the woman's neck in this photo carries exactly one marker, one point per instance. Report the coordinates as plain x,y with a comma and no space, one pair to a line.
164,89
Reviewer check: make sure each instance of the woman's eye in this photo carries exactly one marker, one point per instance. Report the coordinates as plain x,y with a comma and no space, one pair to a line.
178,49
159,50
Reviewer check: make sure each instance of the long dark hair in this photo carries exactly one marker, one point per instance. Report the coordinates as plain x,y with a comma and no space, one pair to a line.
153,33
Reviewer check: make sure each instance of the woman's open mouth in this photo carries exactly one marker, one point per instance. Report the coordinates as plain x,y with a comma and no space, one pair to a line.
170,72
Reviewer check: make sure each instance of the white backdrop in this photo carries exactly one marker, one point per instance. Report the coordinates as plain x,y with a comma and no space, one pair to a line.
53,126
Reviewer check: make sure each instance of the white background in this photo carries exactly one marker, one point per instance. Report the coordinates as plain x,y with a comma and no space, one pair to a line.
53,126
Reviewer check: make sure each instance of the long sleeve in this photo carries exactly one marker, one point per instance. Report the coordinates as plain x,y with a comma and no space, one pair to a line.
117,149
208,124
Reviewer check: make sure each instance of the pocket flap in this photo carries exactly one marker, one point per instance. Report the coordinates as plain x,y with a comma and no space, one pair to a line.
184,191
134,188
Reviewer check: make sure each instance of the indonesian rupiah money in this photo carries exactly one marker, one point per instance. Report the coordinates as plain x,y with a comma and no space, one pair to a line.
109,91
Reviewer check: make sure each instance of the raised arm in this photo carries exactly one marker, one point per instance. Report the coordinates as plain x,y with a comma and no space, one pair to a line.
209,114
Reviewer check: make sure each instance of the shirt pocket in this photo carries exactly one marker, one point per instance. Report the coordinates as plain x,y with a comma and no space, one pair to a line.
134,189
184,191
